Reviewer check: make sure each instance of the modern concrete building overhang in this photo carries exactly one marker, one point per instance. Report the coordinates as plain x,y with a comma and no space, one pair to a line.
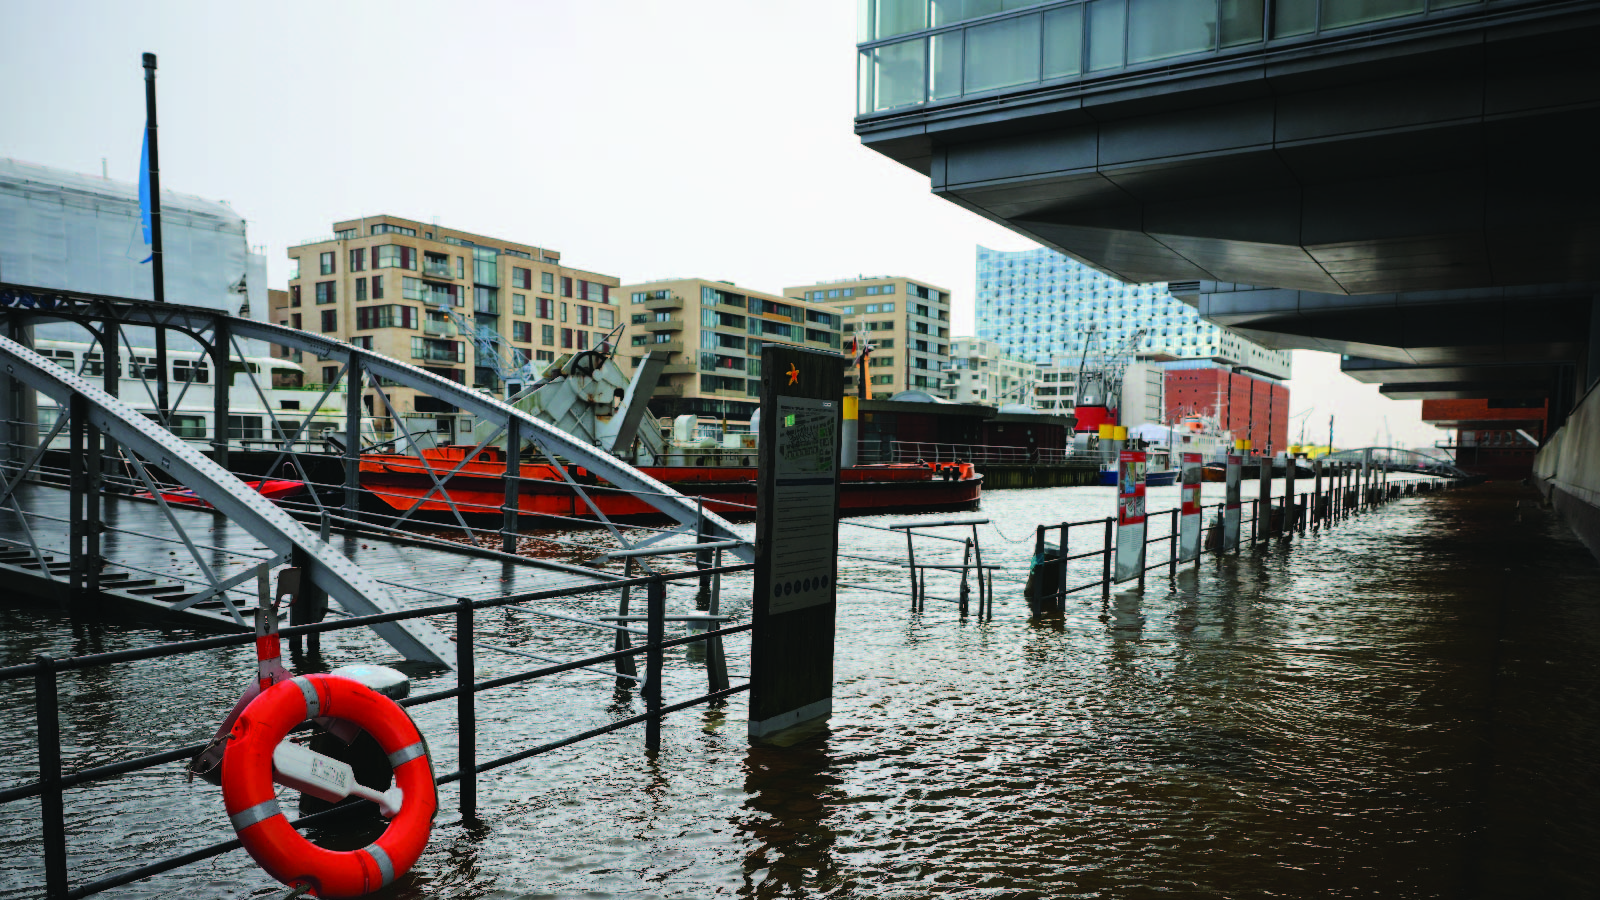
1442,150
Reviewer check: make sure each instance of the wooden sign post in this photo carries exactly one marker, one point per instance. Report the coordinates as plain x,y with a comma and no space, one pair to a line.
797,542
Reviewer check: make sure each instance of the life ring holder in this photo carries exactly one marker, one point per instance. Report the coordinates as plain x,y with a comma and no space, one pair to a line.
251,802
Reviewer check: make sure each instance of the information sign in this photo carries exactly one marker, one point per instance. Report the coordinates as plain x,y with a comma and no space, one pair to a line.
1232,513
1189,514
1130,515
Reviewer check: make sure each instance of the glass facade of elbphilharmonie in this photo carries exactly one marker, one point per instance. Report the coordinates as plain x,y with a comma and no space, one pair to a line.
1040,305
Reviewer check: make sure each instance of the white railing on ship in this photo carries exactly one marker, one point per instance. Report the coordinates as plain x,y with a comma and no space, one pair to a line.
991,454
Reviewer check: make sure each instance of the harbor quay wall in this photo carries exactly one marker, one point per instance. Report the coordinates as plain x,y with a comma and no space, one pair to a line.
1567,470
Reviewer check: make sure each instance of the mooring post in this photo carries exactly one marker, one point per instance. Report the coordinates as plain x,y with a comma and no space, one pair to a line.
1291,509
513,494
94,488
795,593
1264,504
1317,512
466,712
52,811
655,633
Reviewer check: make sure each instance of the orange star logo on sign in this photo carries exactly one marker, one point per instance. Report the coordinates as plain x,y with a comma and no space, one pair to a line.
794,374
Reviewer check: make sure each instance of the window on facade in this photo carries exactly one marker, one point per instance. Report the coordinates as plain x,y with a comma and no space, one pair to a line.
392,256
325,291
566,338
522,331
547,335
358,259
544,355
294,321
519,304
521,278
392,315
606,318
411,288
485,300
566,286
563,312
881,361
585,315
486,266
886,289
393,229
544,307
583,339
547,282
377,287
194,370
294,295
364,341
436,350
361,289
330,320
325,261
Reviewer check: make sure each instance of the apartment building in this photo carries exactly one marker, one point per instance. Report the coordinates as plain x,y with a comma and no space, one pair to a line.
980,371
1057,388
906,321
482,311
713,332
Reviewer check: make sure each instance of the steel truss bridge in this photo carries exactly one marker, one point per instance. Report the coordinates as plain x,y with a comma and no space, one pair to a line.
107,524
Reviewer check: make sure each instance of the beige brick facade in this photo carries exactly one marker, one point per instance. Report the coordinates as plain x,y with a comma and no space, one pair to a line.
906,321
713,331
416,292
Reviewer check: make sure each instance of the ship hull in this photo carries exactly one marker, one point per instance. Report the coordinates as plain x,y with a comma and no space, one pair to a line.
404,484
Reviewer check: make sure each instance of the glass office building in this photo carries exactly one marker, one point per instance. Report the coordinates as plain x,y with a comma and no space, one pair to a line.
1040,305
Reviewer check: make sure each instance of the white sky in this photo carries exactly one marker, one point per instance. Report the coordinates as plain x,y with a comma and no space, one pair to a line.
641,138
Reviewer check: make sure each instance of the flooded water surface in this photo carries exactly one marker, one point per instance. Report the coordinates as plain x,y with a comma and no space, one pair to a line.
1403,706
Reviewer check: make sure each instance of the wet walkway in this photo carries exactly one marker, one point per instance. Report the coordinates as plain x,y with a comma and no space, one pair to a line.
1405,706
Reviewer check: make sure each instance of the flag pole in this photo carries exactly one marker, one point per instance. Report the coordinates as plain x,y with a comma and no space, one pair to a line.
153,172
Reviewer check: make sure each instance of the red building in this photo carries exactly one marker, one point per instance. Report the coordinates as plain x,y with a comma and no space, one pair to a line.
1252,407
1492,438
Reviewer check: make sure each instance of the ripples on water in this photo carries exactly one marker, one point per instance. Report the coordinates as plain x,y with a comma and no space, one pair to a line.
1404,707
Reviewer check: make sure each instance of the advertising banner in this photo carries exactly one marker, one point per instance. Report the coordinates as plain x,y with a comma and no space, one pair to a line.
1189,514
1231,511
1130,515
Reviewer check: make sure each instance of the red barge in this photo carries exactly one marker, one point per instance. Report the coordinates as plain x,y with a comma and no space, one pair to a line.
403,482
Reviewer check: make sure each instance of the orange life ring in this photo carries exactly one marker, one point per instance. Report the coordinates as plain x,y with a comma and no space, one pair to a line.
248,793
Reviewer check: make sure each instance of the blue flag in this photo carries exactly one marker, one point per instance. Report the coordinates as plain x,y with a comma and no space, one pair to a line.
144,197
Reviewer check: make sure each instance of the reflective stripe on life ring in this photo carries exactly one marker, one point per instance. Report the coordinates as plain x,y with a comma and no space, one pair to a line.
250,798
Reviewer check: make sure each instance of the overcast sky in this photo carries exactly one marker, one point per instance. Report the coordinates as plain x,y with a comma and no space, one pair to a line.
642,139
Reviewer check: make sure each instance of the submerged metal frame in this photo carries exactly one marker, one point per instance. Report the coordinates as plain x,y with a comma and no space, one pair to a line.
342,579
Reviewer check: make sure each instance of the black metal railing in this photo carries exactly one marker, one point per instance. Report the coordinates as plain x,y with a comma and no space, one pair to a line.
53,782
1285,516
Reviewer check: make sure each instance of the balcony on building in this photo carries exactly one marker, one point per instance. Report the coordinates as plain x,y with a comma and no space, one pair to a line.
663,322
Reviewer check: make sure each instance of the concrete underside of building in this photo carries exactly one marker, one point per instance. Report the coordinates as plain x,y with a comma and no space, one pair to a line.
1415,193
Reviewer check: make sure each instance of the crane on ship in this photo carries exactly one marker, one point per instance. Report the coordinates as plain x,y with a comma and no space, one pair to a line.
1100,372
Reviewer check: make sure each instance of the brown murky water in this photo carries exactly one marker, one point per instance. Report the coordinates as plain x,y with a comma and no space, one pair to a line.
1405,706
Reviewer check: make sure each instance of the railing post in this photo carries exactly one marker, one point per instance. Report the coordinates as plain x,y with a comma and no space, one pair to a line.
1172,541
352,437
911,564
626,664
966,590
1061,595
508,526
985,593
466,712
52,813
656,600
1105,559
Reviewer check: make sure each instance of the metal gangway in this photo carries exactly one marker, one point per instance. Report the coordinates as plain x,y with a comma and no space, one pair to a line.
118,499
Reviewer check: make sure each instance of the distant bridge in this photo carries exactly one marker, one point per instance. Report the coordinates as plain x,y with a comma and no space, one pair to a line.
1396,459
